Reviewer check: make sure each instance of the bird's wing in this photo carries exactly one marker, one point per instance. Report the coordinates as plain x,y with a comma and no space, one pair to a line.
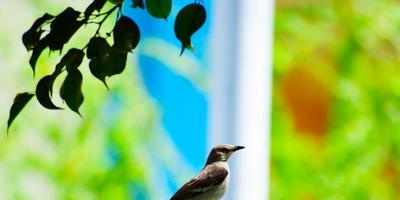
207,179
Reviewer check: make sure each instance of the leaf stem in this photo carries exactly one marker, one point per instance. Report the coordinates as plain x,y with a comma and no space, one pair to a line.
107,14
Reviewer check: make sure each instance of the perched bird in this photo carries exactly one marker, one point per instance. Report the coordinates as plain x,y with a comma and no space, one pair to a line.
213,179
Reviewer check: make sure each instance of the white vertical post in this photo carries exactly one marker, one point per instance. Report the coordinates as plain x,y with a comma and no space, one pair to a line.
223,47
254,78
241,91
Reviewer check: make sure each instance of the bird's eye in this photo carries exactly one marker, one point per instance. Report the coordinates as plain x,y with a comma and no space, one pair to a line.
224,150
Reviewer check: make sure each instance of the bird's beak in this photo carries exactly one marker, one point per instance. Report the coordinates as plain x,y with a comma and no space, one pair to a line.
237,148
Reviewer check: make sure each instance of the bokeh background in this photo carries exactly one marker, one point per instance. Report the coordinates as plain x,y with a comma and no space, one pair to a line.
335,124
129,140
335,118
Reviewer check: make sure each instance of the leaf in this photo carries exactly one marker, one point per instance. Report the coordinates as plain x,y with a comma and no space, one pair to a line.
31,37
105,61
137,3
72,59
98,70
95,5
20,101
44,90
159,8
116,62
37,50
63,27
71,90
40,21
65,16
98,51
116,2
126,34
98,47
113,64
189,19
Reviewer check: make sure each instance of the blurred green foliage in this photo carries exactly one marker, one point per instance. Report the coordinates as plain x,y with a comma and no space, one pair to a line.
336,100
58,155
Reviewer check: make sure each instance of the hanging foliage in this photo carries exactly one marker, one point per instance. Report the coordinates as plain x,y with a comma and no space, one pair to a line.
105,59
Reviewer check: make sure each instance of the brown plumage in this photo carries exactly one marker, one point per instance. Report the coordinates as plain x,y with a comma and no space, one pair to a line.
212,181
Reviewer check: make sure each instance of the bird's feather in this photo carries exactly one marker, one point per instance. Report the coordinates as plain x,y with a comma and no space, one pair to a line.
209,178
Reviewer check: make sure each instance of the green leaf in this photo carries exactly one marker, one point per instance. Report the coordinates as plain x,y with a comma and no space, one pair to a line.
37,51
98,51
106,61
19,103
126,34
63,27
95,5
72,59
159,8
98,70
137,3
98,47
113,64
189,19
44,90
31,37
71,90
117,2
116,62
40,21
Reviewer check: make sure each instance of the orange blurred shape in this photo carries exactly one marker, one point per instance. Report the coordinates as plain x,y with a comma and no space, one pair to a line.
305,196
308,100
390,174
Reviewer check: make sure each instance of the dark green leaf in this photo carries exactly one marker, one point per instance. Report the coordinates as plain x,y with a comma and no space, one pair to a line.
98,51
37,50
72,59
95,5
65,16
63,27
71,90
31,37
117,2
44,90
98,47
106,61
137,3
98,70
126,34
189,19
116,62
159,8
19,103
40,21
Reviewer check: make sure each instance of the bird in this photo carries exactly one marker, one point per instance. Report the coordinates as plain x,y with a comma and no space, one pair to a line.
212,181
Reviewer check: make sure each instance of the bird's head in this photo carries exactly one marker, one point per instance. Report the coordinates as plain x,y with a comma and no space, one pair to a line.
222,152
